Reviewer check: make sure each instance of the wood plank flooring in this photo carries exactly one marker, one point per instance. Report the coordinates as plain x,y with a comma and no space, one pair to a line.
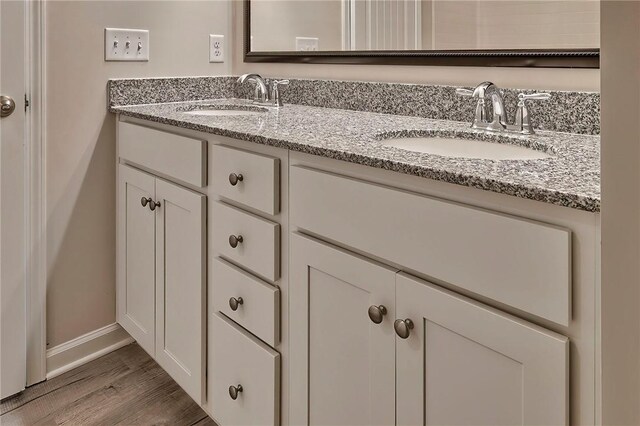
125,387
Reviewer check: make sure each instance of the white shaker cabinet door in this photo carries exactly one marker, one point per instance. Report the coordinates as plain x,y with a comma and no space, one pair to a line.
342,363
136,256
465,363
180,286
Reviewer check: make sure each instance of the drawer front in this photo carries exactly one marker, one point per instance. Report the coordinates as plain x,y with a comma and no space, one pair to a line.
239,358
259,186
180,157
256,303
259,250
521,263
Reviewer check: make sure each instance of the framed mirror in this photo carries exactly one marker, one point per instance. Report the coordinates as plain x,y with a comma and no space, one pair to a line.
508,33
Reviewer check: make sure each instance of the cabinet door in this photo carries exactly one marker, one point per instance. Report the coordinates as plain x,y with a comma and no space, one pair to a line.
466,363
136,257
180,286
342,363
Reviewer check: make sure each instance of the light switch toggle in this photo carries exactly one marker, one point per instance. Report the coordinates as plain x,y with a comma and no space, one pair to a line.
126,45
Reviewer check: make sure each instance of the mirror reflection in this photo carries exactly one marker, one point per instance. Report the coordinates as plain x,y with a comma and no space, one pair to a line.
361,25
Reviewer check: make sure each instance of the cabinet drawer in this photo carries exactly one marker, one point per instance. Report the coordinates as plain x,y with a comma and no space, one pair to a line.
239,358
259,310
260,184
172,155
259,250
518,262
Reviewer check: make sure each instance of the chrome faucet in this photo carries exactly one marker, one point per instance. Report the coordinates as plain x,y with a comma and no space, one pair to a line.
267,92
261,87
487,91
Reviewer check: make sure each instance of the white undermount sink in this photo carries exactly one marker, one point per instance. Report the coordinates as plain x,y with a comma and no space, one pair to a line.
465,148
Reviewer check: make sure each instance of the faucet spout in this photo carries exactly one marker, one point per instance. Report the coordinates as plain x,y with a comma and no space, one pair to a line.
261,87
488,91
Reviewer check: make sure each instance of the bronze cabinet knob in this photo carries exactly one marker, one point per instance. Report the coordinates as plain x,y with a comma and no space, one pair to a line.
403,327
234,391
234,240
377,313
235,302
149,201
235,178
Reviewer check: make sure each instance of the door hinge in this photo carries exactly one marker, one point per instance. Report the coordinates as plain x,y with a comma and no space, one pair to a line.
27,104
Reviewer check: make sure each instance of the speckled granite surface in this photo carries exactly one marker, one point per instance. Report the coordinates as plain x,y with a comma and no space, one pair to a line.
570,177
136,91
571,112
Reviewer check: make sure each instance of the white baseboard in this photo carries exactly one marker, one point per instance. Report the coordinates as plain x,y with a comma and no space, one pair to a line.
85,348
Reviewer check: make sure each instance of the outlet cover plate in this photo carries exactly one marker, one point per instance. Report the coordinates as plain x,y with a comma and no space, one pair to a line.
216,48
307,44
126,45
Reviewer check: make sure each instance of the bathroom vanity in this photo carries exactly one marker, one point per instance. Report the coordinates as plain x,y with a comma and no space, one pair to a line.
291,266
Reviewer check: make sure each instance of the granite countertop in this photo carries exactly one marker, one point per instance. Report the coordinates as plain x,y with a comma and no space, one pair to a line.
570,177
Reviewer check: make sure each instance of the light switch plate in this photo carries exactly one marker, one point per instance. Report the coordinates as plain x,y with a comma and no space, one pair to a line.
126,45
308,44
216,48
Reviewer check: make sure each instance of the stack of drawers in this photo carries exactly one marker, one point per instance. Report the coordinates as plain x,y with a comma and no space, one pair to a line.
244,370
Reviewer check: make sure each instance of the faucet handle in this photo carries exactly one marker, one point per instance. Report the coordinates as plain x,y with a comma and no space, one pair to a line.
276,83
275,92
533,96
481,113
464,92
523,122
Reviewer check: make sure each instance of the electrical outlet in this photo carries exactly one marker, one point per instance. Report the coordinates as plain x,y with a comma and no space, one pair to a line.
308,44
216,48
126,45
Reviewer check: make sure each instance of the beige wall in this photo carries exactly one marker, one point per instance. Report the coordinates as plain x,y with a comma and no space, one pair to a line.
543,78
620,218
80,144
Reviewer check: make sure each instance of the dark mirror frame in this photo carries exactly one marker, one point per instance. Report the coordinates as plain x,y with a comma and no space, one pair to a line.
542,58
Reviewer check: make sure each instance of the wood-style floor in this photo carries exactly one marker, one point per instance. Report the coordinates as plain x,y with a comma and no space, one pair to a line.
125,387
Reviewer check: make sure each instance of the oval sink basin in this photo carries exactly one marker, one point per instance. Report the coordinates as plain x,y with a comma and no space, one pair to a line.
223,112
465,148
